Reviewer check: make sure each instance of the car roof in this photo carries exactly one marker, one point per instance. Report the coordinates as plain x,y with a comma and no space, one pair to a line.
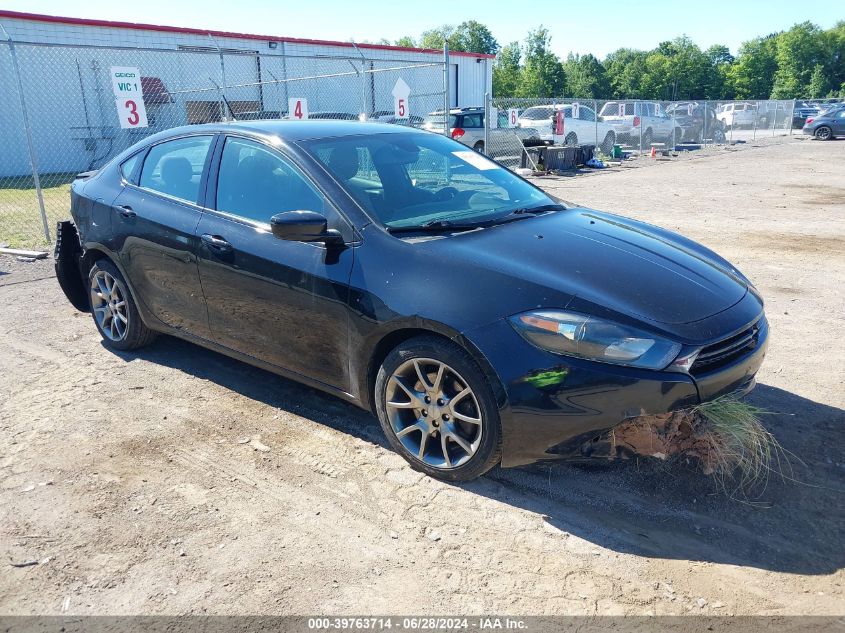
296,130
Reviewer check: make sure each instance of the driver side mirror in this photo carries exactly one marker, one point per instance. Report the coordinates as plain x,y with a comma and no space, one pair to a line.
304,226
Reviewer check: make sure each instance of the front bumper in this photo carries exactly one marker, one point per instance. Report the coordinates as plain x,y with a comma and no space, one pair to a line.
555,404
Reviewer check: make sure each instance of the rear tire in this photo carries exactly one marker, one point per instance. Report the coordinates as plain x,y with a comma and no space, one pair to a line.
571,139
437,409
114,310
608,143
648,138
823,133
479,147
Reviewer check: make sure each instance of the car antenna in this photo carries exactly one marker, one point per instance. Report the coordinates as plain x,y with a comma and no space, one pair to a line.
225,100
223,74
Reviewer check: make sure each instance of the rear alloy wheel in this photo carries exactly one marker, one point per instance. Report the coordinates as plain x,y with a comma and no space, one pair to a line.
719,137
114,310
647,140
437,410
823,133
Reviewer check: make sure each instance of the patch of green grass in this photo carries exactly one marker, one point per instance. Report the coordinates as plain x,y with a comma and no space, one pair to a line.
20,216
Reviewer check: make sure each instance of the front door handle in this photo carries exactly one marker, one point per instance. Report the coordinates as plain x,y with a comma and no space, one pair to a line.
216,244
126,211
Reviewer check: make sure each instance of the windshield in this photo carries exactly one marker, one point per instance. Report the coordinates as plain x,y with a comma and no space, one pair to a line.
407,179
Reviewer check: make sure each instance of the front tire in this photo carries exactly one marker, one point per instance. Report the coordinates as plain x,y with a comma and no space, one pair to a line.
437,409
114,310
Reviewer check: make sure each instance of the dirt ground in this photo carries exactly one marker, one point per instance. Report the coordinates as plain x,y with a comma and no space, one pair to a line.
131,481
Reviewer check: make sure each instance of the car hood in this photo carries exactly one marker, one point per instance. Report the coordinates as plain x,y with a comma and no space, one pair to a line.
614,263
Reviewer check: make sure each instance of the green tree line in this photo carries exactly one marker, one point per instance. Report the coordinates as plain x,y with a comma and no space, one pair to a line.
805,61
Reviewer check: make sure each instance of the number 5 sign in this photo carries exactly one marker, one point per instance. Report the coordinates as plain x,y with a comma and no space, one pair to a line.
401,92
129,97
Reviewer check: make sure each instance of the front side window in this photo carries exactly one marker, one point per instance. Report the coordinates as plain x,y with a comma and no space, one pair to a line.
256,183
175,167
407,179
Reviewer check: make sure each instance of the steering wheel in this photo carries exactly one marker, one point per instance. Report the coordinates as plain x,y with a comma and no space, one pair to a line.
445,194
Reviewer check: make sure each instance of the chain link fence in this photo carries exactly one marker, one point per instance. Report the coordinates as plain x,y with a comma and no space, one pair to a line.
61,116
614,127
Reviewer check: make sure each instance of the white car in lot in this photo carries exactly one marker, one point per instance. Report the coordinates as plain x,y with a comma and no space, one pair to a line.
736,114
640,123
581,128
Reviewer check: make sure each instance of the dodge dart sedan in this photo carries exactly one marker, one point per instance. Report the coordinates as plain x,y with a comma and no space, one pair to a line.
483,321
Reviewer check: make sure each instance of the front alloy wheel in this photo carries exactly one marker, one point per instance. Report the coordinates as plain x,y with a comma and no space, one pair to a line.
437,409
434,413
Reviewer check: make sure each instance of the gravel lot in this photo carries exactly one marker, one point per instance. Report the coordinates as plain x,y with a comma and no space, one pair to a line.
134,482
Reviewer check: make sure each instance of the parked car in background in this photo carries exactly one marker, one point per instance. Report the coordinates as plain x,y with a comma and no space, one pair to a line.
581,129
403,273
802,111
697,123
827,125
736,115
466,125
639,123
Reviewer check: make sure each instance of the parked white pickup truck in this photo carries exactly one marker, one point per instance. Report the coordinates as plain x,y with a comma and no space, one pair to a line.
582,128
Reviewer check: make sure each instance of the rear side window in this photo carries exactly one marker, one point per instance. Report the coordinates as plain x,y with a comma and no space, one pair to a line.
257,183
127,167
175,167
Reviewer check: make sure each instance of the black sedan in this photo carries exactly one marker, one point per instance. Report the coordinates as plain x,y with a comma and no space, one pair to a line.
481,320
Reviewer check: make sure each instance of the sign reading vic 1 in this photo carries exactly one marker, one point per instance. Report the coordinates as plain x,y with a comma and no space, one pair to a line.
401,92
129,97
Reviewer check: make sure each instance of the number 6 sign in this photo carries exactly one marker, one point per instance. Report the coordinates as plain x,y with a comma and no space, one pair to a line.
513,117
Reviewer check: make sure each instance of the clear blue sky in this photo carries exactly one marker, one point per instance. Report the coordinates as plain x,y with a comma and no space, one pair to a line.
576,25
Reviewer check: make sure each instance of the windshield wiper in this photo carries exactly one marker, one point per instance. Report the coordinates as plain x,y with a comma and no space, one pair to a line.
543,208
435,226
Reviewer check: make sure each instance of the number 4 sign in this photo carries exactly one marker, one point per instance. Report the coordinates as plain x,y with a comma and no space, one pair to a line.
129,97
297,108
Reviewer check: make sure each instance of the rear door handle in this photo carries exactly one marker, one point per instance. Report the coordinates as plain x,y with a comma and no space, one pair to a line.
216,244
126,211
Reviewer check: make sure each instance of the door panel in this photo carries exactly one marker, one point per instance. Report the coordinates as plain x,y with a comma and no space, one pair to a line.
156,232
283,302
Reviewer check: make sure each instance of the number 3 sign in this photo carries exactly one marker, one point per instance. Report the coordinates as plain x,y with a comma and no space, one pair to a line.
129,97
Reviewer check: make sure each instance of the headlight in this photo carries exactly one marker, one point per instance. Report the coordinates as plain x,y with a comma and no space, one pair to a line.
595,339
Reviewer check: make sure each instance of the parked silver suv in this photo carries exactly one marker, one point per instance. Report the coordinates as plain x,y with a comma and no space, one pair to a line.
630,119
466,125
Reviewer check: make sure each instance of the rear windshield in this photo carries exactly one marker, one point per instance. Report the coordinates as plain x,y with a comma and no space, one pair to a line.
538,113
615,109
